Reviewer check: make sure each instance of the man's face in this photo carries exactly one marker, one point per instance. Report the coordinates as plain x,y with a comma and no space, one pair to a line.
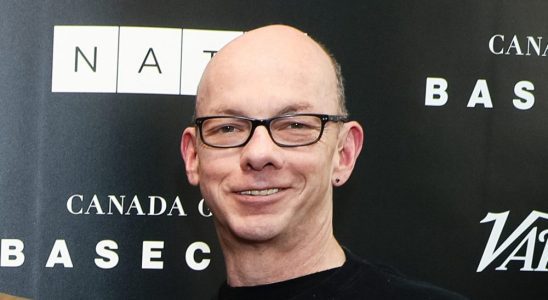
261,191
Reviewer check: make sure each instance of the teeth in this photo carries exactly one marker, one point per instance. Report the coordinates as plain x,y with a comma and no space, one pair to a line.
260,192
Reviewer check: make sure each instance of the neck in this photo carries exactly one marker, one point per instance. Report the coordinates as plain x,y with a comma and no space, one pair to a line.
250,264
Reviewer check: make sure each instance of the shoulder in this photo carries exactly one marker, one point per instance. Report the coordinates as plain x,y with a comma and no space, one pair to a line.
359,279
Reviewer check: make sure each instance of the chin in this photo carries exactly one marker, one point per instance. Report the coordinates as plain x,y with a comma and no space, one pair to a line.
255,232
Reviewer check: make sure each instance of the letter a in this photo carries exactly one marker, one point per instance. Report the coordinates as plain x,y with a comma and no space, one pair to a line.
480,95
59,255
155,64
528,257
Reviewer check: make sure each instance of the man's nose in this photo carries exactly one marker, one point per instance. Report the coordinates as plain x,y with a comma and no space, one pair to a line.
261,151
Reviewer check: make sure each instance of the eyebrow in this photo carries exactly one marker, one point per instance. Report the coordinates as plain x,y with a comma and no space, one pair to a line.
294,108
290,109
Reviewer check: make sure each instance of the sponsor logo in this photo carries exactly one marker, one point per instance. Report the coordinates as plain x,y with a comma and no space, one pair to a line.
12,255
122,205
437,94
522,243
142,60
12,250
499,44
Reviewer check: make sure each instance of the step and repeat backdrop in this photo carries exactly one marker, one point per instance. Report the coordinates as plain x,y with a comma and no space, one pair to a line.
451,187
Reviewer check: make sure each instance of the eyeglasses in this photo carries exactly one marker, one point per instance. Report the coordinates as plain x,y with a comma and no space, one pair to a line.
286,131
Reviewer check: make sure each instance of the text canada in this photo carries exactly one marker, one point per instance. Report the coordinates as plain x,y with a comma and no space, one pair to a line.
78,204
499,44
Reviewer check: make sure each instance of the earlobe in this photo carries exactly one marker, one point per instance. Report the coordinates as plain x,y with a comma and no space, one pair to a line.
348,150
190,155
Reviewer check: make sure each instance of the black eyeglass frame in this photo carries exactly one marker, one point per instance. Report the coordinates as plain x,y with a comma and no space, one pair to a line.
324,118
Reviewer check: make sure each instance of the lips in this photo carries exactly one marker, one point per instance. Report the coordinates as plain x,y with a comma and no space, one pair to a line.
263,192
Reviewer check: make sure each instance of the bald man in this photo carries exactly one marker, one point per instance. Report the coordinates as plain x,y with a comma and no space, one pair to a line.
271,140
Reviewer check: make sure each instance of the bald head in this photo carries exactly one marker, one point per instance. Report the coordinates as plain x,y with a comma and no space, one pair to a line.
272,57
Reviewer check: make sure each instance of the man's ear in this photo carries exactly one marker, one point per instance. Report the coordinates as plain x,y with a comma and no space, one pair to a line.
190,155
348,149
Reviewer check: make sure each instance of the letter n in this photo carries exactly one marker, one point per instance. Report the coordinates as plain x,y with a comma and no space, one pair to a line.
79,51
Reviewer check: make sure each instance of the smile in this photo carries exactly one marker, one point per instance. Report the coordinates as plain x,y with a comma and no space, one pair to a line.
266,192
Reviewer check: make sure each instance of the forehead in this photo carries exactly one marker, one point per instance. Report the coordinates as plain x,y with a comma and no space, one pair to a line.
265,98
263,76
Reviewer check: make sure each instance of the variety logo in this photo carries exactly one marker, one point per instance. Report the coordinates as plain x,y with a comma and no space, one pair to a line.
522,242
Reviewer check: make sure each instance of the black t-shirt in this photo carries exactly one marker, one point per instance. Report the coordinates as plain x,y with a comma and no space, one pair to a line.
355,279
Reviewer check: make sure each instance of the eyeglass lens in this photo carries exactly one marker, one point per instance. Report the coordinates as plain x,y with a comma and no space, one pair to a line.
287,130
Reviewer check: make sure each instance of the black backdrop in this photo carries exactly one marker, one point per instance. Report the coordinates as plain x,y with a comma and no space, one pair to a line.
427,177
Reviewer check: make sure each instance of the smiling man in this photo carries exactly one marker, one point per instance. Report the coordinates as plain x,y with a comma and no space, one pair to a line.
271,140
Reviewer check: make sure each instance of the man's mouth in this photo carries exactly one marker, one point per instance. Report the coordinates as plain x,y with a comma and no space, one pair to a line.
265,192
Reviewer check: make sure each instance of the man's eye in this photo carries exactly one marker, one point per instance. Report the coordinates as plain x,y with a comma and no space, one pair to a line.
299,125
296,125
226,129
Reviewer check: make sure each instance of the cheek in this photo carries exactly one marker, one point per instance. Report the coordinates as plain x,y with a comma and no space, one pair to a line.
216,162
213,168
314,167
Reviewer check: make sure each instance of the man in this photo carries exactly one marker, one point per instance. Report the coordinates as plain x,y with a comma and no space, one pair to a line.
271,141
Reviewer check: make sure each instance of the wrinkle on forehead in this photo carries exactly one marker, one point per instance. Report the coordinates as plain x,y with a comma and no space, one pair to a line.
277,54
